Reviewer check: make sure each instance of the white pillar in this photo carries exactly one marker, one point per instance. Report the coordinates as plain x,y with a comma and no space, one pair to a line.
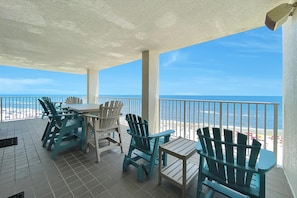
290,100
92,86
150,89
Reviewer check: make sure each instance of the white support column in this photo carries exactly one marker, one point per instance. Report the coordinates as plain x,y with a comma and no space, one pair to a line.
92,85
150,89
290,101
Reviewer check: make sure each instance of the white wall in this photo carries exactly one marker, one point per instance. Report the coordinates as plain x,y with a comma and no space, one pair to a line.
290,101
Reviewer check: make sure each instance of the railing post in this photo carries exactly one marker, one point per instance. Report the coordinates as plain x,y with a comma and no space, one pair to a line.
221,116
275,129
160,115
1,108
129,106
185,121
35,101
265,126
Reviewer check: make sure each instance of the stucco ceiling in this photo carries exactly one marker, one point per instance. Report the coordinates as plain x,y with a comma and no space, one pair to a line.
74,35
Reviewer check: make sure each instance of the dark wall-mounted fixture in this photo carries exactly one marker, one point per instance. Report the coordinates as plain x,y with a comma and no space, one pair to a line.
278,15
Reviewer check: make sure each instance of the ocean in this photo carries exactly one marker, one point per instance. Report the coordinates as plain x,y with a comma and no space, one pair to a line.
273,99
10,103
245,108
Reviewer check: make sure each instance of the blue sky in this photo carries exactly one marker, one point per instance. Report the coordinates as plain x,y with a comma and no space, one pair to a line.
248,63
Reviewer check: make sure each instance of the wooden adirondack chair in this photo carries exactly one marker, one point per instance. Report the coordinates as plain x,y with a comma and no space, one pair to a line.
226,164
143,150
73,100
68,131
104,125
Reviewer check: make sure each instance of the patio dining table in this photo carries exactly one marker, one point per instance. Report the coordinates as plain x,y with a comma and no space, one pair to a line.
82,108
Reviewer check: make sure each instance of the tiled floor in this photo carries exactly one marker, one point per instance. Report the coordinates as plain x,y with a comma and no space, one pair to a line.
28,167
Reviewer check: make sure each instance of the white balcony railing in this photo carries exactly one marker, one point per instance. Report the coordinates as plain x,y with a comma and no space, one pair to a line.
22,107
256,119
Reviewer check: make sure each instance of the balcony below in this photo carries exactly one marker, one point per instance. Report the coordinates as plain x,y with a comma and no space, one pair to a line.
28,167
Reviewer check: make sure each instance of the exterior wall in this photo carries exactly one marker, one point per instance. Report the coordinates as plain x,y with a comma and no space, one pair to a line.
290,101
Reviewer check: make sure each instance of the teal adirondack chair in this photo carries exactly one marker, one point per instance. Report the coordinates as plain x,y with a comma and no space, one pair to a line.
226,164
45,98
46,103
46,112
67,130
143,150
57,105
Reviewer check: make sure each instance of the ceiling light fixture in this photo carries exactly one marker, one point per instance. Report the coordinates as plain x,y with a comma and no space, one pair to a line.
278,15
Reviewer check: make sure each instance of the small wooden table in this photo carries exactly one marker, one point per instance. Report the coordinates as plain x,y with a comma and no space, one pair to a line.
180,172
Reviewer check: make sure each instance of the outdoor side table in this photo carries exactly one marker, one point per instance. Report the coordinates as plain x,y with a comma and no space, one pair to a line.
180,172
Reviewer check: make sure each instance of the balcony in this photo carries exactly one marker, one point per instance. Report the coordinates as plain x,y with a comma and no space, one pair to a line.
28,167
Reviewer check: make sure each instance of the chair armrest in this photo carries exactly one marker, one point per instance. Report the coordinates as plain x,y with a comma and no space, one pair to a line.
66,115
90,115
162,134
63,111
199,147
266,160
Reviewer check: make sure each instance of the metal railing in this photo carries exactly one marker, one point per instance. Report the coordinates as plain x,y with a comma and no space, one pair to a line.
23,107
256,119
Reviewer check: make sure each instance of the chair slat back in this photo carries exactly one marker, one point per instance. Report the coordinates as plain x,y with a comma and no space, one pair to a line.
109,115
73,100
241,157
53,111
233,162
253,159
45,109
219,152
45,98
139,131
229,155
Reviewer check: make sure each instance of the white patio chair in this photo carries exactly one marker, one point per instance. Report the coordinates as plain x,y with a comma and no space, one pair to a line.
104,125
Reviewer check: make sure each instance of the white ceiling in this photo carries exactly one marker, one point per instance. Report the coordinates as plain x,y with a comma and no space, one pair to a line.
74,35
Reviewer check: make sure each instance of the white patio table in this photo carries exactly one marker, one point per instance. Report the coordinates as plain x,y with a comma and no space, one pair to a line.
82,108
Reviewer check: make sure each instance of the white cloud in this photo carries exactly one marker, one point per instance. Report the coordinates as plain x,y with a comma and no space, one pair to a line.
26,81
254,46
223,84
173,57
9,86
265,35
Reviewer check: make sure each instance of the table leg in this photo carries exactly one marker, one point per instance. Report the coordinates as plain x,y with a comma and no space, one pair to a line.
160,165
87,134
184,190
